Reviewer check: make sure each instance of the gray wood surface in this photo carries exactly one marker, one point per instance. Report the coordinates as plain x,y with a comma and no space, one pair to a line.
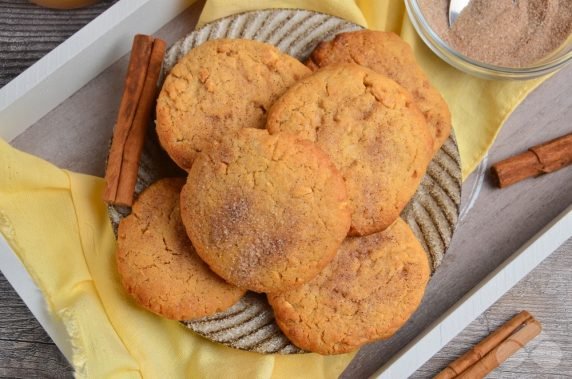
28,32
26,351
500,222
547,294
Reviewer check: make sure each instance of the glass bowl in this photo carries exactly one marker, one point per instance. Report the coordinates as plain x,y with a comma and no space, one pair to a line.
548,64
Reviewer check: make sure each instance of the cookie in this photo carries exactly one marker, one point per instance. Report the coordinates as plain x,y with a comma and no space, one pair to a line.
387,54
158,265
265,212
366,293
217,88
372,130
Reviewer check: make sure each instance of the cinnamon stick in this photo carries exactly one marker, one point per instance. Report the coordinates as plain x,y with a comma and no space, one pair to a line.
136,138
495,349
537,160
503,351
135,109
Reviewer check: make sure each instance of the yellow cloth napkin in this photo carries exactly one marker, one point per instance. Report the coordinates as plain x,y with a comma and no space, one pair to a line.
56,223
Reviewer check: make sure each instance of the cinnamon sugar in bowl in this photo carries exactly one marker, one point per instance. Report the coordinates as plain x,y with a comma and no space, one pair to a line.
523,40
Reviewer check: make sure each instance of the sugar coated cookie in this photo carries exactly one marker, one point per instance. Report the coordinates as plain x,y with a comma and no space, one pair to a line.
158,265
372,130
366,293
386,53
219,87
265,212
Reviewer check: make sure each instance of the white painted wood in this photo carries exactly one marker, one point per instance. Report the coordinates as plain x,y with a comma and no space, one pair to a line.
79,59
479,299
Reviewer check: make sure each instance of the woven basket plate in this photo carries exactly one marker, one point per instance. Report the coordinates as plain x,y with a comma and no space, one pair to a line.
432,213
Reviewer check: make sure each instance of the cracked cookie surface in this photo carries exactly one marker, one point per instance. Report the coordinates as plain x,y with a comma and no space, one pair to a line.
219,87
158,265
370,289
387,54
372,130
265,212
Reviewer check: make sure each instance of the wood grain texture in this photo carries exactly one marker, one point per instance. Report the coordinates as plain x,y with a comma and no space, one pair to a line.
547,294
26,351
28,32
500,222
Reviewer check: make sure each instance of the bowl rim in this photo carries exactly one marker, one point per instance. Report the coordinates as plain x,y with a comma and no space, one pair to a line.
465,63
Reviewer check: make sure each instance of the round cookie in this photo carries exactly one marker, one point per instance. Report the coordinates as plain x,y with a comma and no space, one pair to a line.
387,54
265,212
157,263
217,88
372,130
366,293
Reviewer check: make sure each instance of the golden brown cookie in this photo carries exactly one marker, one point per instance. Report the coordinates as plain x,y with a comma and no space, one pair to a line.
366,293
387,54
217,88
265,212
158,265
372,130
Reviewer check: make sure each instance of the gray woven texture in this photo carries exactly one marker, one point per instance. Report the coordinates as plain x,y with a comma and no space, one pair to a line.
28,32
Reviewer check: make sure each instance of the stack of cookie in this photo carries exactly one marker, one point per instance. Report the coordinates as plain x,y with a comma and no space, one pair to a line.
296,178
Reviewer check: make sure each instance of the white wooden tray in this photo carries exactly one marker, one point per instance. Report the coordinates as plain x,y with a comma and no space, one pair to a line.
26,103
